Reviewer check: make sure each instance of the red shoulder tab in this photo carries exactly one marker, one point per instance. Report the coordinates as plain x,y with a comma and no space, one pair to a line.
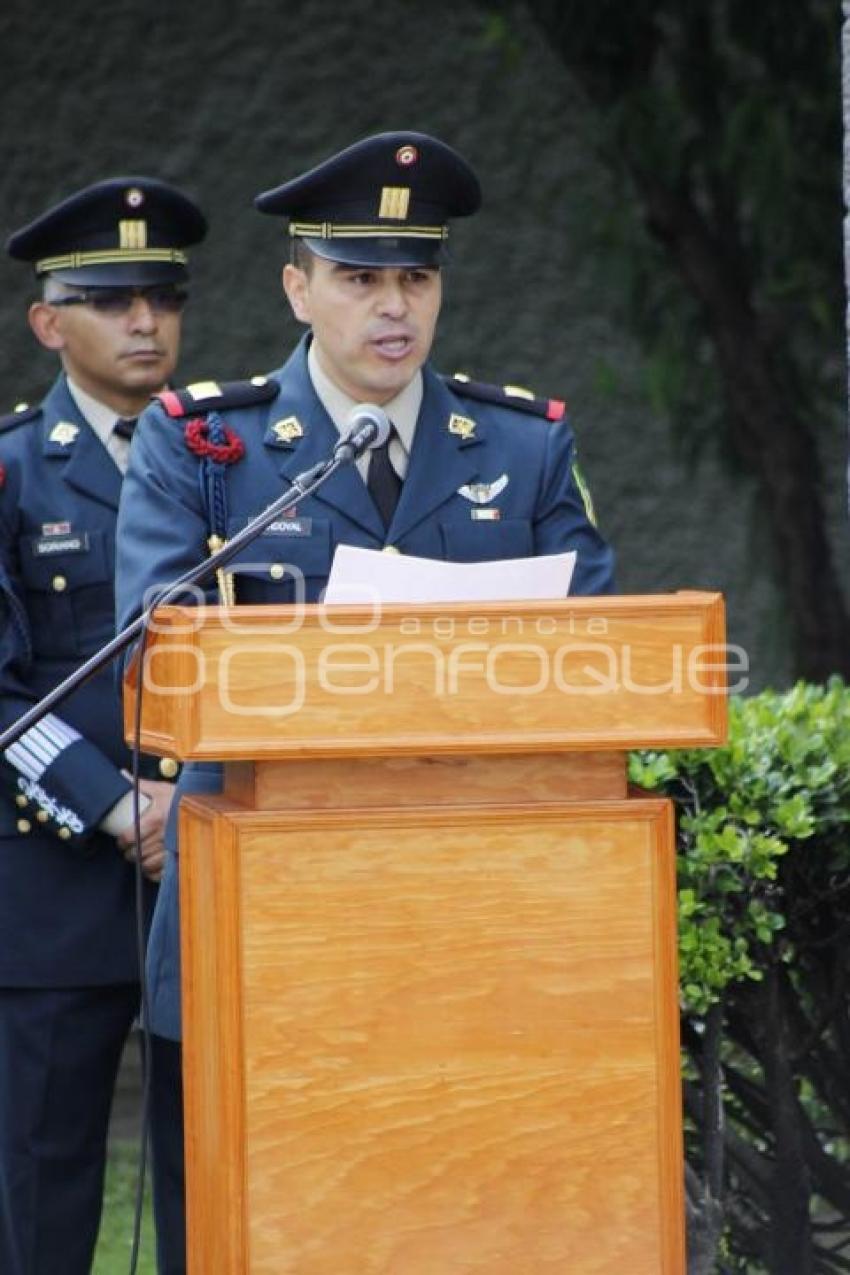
171,402
513,396
209,396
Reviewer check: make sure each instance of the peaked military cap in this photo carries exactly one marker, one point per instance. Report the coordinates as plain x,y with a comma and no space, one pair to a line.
120,231
384,201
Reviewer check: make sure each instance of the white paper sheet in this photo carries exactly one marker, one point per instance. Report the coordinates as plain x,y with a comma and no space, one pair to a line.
367,576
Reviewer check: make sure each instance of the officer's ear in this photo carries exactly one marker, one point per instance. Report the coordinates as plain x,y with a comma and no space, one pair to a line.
45,321
296,285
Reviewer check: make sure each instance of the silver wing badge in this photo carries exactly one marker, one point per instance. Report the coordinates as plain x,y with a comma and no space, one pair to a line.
483,493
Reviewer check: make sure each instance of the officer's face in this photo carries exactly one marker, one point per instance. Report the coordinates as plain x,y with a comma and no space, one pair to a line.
372,327
119,358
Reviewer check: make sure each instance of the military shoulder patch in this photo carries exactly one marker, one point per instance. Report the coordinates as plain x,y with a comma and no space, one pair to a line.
19,416
553,409
209,396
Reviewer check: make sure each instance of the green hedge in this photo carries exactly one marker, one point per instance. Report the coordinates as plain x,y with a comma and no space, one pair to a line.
780,785
763,844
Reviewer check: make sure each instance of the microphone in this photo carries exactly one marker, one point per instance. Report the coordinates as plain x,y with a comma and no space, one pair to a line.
368,426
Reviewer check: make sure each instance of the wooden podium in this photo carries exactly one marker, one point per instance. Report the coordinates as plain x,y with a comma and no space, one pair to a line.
428,936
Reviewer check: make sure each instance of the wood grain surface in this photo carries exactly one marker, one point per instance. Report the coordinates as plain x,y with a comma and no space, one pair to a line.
366,782
583,674
444,1041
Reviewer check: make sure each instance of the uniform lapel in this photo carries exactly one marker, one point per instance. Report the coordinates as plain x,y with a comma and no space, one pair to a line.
68,438
297,412
441,461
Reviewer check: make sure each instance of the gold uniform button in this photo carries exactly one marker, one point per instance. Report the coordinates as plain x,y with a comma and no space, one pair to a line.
168,767
24,825
42,816
277,571
60,584
64,833
390,549
21,800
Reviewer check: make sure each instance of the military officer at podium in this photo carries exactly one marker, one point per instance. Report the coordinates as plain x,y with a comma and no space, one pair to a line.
471,472
110,262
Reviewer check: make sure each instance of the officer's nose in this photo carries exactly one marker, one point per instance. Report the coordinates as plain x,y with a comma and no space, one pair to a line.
142,316
393,300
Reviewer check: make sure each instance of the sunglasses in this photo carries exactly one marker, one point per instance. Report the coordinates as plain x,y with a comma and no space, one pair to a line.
114,301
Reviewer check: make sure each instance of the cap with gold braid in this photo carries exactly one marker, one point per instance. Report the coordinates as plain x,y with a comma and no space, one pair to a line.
385,201
120,231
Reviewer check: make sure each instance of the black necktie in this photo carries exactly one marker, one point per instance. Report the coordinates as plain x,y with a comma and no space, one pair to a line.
382,481
124,426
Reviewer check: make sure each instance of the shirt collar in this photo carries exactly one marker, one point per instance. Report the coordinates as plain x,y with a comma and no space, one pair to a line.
403,409
99,416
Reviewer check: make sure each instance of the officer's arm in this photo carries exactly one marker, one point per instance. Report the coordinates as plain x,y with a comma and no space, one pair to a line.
57,778
565,517
162,524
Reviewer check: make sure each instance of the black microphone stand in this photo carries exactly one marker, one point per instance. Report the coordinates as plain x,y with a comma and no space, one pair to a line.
302,485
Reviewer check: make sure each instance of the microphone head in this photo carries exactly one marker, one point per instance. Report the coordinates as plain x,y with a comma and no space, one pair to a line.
368,427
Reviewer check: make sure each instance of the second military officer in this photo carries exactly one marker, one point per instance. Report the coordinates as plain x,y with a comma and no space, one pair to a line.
110,261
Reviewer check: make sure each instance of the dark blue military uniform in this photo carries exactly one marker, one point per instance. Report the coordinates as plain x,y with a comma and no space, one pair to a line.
68,954
463,448
69,962
58,508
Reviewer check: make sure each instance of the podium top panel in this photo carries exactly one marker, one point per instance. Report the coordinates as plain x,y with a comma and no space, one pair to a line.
259,682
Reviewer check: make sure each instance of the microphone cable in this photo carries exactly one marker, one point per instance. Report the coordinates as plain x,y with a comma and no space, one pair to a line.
141,951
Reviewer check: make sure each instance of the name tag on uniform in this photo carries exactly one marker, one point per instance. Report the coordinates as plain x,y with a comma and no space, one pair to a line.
77,542
290,527
485,515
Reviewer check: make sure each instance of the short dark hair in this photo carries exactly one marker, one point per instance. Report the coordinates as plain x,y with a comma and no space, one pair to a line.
301,256
55,290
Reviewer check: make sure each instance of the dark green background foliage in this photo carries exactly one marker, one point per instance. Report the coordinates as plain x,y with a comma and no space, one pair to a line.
560,283
764,919
723,121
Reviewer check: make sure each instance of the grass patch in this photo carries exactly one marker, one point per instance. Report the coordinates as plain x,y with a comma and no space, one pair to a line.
115,1241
